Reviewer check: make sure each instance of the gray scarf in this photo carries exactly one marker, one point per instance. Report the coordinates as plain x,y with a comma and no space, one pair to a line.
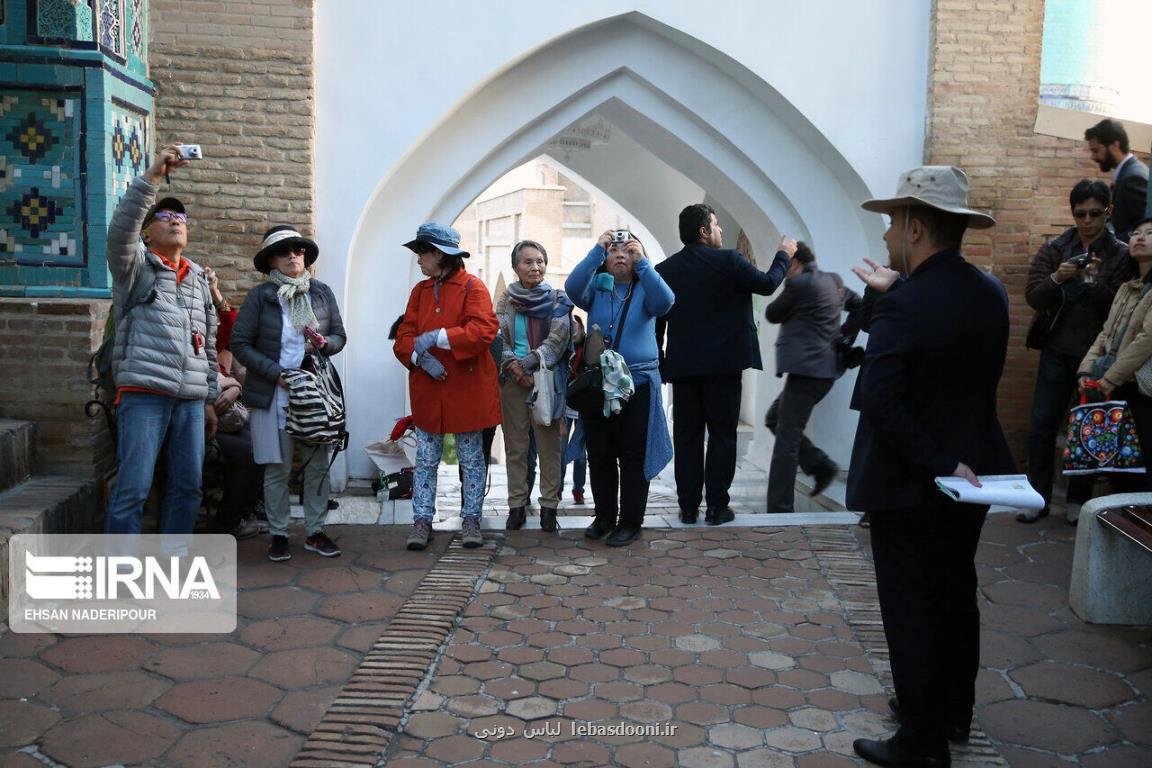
294,290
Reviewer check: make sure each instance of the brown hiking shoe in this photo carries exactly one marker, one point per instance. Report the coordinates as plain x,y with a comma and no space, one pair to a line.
420,536
470,535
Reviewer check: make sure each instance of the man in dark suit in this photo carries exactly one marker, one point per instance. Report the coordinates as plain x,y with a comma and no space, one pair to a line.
808,310
926,394
1108,146
711,340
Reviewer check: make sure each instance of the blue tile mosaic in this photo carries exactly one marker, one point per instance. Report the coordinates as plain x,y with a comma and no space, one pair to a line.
111,26
63,20
128,147
41,197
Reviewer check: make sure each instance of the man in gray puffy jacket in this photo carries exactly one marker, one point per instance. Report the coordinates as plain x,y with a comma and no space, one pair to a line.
164,355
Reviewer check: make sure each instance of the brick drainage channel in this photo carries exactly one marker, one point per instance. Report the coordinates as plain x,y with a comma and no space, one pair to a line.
383,712
360,723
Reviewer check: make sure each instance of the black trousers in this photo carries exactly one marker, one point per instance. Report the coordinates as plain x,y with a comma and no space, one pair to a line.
787,417
699,403
926,580
616,450
243,479
1051,399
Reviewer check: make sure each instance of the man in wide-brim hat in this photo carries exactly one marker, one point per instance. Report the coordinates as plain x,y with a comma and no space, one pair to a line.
926,394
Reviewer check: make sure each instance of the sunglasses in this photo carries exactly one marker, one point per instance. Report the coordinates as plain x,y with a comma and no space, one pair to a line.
1089,213
167,216
292,249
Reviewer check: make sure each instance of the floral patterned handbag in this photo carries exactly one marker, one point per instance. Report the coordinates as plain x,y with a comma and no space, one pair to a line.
1102,438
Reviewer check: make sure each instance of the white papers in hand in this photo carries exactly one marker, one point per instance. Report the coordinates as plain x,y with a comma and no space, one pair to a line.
1002,490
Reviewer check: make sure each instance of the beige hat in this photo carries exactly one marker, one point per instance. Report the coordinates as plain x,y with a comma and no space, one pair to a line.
943,187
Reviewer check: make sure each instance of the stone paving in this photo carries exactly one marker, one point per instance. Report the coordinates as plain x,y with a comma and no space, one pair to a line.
740,637
250,699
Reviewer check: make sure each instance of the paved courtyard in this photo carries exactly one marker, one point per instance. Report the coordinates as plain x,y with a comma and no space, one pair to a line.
729,646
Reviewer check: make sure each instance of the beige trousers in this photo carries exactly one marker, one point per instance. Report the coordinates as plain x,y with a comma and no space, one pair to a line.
517,420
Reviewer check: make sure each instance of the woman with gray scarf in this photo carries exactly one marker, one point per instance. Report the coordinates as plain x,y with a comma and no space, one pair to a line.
536,328
269,337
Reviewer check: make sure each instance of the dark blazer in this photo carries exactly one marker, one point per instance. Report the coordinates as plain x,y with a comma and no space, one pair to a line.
809,310
1129,197
710,328
926,392
256,336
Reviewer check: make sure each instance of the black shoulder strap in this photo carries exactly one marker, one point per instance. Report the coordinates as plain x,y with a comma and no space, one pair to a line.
623,316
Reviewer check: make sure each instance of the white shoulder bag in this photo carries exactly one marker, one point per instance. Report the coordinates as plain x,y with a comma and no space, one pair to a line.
543,396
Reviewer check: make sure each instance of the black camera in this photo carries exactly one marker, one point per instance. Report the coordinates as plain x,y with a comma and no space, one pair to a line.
1081,261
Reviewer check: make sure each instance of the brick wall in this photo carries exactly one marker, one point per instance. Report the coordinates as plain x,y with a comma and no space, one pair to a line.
984,83
236,77
44,349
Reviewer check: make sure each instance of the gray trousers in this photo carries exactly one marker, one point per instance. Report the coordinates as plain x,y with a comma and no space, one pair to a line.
316,487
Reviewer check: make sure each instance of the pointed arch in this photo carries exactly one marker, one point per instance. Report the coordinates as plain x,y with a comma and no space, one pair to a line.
697,109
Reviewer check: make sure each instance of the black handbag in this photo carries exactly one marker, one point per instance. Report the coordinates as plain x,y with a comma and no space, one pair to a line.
586,389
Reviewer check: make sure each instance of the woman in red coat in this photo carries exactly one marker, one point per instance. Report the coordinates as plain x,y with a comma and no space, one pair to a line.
444,342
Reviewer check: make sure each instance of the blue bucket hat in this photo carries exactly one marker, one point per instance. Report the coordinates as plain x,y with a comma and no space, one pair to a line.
442,238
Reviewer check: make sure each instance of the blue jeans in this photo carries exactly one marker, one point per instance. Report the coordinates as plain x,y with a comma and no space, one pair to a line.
1051,401
579,465
143,423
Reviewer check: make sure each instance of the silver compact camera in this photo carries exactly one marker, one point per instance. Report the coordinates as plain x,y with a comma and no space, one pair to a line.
190,152
621,236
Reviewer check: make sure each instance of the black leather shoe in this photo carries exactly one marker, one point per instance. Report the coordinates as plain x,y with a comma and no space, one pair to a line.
823,478
1032,515
957,734
893,754
623,536
548,519
689,516
719,515
516,518
598,530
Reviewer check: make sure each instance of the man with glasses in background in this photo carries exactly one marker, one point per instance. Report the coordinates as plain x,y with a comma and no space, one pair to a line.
164,354
1070,285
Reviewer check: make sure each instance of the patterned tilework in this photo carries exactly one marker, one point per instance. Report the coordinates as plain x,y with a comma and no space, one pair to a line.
138,13
40,203
128,134
63,20
112,26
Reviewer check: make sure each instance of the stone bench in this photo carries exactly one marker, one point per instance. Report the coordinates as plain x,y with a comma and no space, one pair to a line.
1112,565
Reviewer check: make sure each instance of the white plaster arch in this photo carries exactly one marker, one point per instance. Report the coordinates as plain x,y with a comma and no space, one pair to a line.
694,107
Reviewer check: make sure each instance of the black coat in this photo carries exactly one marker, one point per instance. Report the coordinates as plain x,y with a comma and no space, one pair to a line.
256,336
927,390
1089,302
710,328
1129,198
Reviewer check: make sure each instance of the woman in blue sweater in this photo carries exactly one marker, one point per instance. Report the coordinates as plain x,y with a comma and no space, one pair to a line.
623,295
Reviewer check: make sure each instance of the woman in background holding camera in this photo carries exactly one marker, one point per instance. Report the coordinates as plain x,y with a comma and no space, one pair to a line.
536,328
282,319
623,295
1121,349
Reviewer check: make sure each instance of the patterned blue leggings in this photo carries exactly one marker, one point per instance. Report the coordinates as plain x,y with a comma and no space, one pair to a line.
429,449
